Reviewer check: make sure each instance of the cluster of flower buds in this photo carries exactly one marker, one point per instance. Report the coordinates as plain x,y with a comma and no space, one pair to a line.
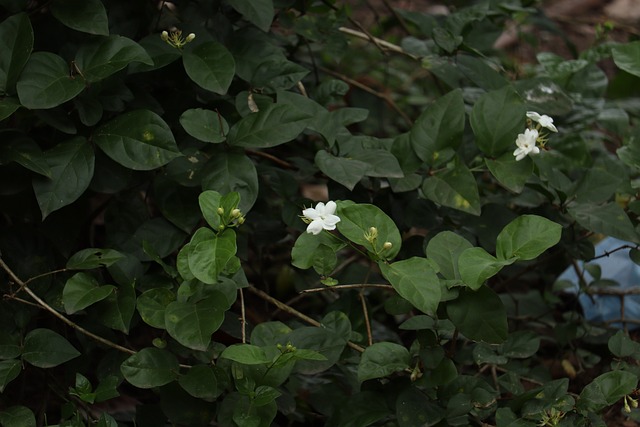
527,142
371,236
175,39
234,219
289,348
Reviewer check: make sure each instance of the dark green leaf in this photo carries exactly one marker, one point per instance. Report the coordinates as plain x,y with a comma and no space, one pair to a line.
210,65
416,281
8,106
105,56
512,174
229,172
46,82
608,219
16,44
205,125
45,349
455,188
258,12
9,346
246,354
356,220
621,345
88,16
496,119
138,140
606,390
271,126
9,371
480,73
19,148
81,291
382,359
152,305
150,367
207,258
72,165
117,309
17,416
479,315
476,266
445,248
89,258
627,57
192,324
527,237
343,170
440,126
303,252
200,381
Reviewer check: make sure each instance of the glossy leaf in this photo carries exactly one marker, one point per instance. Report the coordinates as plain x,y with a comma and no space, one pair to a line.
72,165
88,16
8,106
627,57
416,281
207,258
356,221
382,359
229,172
304,250
512,174
19,148
16,44
138,140
152,305
496,119
105,56
258,12
343,170
116,311
200,381
192,324
476,266
527,237
608,219
17,416
46,82
455,188
150,367
606,390
246,354
211,66
81,291
445,249
479,315
9,371
89,258
44,348
439,126
205,125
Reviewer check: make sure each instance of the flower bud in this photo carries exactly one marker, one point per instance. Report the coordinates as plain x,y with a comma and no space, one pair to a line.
236,213
190,37
387,246
241,220
164,36
220,211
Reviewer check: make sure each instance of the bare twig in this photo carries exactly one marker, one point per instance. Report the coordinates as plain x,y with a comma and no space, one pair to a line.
274,159
341,287
243,318
398,17
287,309
365,313
383,43
357,24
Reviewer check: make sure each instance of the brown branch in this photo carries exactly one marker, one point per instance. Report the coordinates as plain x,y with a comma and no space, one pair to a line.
272,158
340,287
383,43
287,309
243,318
360,27
365,313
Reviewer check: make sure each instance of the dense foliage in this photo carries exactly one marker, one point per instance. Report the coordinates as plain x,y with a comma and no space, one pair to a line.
160,163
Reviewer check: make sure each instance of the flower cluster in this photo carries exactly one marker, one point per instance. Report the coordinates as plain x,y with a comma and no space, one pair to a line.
321,217
175,39
527,141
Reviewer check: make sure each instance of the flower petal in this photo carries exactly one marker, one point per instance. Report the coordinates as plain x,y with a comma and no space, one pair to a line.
310,213
533,116
330,208
331,221
315,227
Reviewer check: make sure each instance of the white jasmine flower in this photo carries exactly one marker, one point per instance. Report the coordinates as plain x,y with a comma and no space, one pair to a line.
544,120
321,218
526,143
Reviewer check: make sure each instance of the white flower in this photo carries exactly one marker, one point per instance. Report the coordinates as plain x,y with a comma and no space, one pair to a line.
322,217
526,143
544,120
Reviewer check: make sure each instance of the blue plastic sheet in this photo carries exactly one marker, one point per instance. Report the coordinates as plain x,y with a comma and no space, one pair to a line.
617,267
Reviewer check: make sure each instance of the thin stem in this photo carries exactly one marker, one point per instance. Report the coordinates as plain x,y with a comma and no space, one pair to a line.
383,43
274,159
287,309
49,273
353,286
51,310
365,313
243,319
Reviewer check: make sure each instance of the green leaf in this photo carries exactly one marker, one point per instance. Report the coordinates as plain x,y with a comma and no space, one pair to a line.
210,65
479,315
621,345
17,416
17,147
527,237
343,170
246,354
117,309
303,254
44,348
138,140
45,82
476,266
440,126
381,163
276,74
209,202
207,258
229,172
9,371
496,119
200,381
454,187
152,305
608,219
324,260
89,258
382,359
323,341
512,174
104,56
627,57
445,248
81,291
258,12
480,73
205,125
269,127
606,390
416,281
521,344
88,16
160,52
16,44
356,221
192,324
8,106
72,165
150,367
10,346
414,408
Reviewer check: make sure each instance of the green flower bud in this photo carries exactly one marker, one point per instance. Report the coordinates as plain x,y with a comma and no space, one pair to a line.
387,246
190,38
235,213
164,36
220,211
